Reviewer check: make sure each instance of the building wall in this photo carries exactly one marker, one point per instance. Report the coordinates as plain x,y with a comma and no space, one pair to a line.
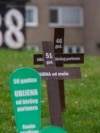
87,36
92,27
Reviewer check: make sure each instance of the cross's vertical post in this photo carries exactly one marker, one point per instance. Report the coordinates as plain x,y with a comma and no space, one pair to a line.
58,48
52,85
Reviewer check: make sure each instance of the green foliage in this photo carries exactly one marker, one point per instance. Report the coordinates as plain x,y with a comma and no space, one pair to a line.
82,113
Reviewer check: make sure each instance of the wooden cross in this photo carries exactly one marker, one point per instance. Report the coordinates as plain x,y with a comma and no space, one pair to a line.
52,74
60,59
58,48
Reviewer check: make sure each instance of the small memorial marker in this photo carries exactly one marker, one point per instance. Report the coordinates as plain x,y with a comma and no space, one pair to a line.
52,74
26,98
60,59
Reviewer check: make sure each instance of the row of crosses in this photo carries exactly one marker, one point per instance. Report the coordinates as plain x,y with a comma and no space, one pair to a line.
54,73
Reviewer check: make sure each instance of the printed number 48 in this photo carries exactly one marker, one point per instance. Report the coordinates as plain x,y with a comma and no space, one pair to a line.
12,29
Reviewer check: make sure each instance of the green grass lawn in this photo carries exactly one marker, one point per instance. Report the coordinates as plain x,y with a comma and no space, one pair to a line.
82,113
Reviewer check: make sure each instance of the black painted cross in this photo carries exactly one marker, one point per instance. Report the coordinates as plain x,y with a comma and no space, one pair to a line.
52,74
60,59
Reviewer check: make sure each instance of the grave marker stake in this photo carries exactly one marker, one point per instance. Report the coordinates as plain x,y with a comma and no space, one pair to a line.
58,48
60,59
52,74
52,85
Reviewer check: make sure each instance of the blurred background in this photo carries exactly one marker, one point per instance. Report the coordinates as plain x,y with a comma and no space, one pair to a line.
24,24
79,18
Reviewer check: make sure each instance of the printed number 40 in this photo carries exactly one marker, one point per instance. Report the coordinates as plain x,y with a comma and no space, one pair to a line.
59,40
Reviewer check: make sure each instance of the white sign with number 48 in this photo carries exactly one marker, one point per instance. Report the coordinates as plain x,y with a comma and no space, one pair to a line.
13,37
